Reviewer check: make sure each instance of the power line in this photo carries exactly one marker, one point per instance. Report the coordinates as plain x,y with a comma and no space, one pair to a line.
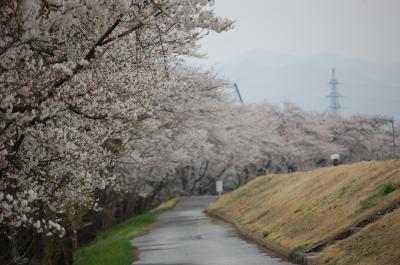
372,85
392,100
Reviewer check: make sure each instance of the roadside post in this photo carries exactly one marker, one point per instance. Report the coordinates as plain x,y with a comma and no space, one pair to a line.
220,187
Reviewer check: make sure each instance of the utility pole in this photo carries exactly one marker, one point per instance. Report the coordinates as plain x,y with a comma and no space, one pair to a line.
334,95
238,92
393,139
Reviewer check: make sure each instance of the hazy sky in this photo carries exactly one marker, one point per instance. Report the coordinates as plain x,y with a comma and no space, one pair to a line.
364,29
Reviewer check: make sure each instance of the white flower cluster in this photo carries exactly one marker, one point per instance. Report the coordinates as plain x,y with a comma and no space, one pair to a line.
17,209
64,69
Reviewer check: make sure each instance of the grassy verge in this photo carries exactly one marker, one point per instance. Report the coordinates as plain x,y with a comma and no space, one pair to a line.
113,246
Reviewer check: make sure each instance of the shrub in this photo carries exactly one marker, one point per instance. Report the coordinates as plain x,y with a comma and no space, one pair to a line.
266,233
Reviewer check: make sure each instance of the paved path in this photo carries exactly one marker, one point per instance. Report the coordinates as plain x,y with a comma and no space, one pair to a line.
186,236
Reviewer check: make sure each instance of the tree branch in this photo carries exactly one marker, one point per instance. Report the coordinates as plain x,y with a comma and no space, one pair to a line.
90,54
76,110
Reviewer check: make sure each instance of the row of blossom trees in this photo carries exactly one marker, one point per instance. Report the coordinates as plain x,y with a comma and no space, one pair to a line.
200,135
77,78
240,142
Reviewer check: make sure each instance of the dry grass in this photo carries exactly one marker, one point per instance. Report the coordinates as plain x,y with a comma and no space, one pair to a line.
379,244
168,204
296,211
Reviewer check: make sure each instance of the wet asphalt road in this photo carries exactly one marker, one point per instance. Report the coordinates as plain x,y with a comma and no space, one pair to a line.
186,236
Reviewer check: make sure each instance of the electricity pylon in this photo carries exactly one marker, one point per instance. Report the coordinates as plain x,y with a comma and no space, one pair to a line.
334,95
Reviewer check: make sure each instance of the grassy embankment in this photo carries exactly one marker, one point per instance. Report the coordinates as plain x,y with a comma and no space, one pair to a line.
294,212
113,246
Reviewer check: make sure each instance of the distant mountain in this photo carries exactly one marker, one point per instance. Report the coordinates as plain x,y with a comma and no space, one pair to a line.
366,87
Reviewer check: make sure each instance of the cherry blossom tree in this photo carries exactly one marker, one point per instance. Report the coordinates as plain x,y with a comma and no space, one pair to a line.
76,75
